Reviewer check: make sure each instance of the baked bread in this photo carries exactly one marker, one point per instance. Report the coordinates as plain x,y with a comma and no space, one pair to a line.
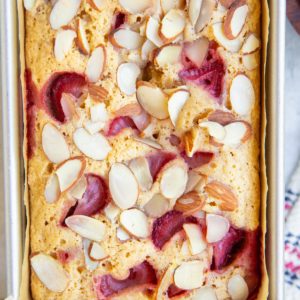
142,148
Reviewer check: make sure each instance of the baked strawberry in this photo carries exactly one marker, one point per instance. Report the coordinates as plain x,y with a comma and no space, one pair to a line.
158,160
174,291
198,159
59,83
140,276
65,256
119,19
120,123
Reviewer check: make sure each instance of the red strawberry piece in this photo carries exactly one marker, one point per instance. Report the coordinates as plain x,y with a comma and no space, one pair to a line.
94,198
65,256
174,291
59,83
141,121
174,140
31,99
120,123
119,19
158,160
141,276
198,159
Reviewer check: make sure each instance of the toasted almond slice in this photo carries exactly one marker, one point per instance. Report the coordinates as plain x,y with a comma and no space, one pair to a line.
63,43
168,55
167,5
189,275
122,235
152,99
194,10
29,4
99,113
50,272
196,51
54,145
63,12
127,75
96,252
173,181
221,117
152,32
132,109
189,203
196,240
93,146
149,142
205,292
69,172
79,188
175,104
242,95
82,41
135,222
217,228
206,13
140,168
230,45
235,19
87,227
191,140
67,102
251,44
136,6
223,193
52,190
156,206
126,38
172,24
97,92
123,186
251,61
194,179
90,264
146,50
236,133
237,288
96,63
215,129
97,4
93,127
185,249
164,283
112,212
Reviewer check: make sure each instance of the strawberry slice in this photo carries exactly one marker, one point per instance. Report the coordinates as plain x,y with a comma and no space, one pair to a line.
65,256
119,19
198,159
120,123
158,160
174,291
140,276
59,83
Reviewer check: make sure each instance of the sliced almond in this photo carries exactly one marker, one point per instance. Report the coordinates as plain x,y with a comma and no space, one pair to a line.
93,127
123,186
135,222
206,13
50,272
99,113
126,38
87,227
112,212
205,292
230,45
95,65
97,4
227,3
196,51
221,117
173,181
136,6
251,44
63,43
152,31
69,172
140,168
168,55
164,283
97,92
251,61
93,146
132,109
185,249
146,50
90,264
97,252
194,179
175,104
195,236
149,142
67,102
63,12
217,228
242,95
214,129
222,192
189,275
79,188
152,99
191,140
237,288
52,189
82,41
235,19
127,75
29,4
189,203
157,206
122,235
236,133
167,5
54,145
172,25
194,10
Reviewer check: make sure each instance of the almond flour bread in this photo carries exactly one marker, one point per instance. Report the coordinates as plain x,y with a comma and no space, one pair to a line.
142,145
